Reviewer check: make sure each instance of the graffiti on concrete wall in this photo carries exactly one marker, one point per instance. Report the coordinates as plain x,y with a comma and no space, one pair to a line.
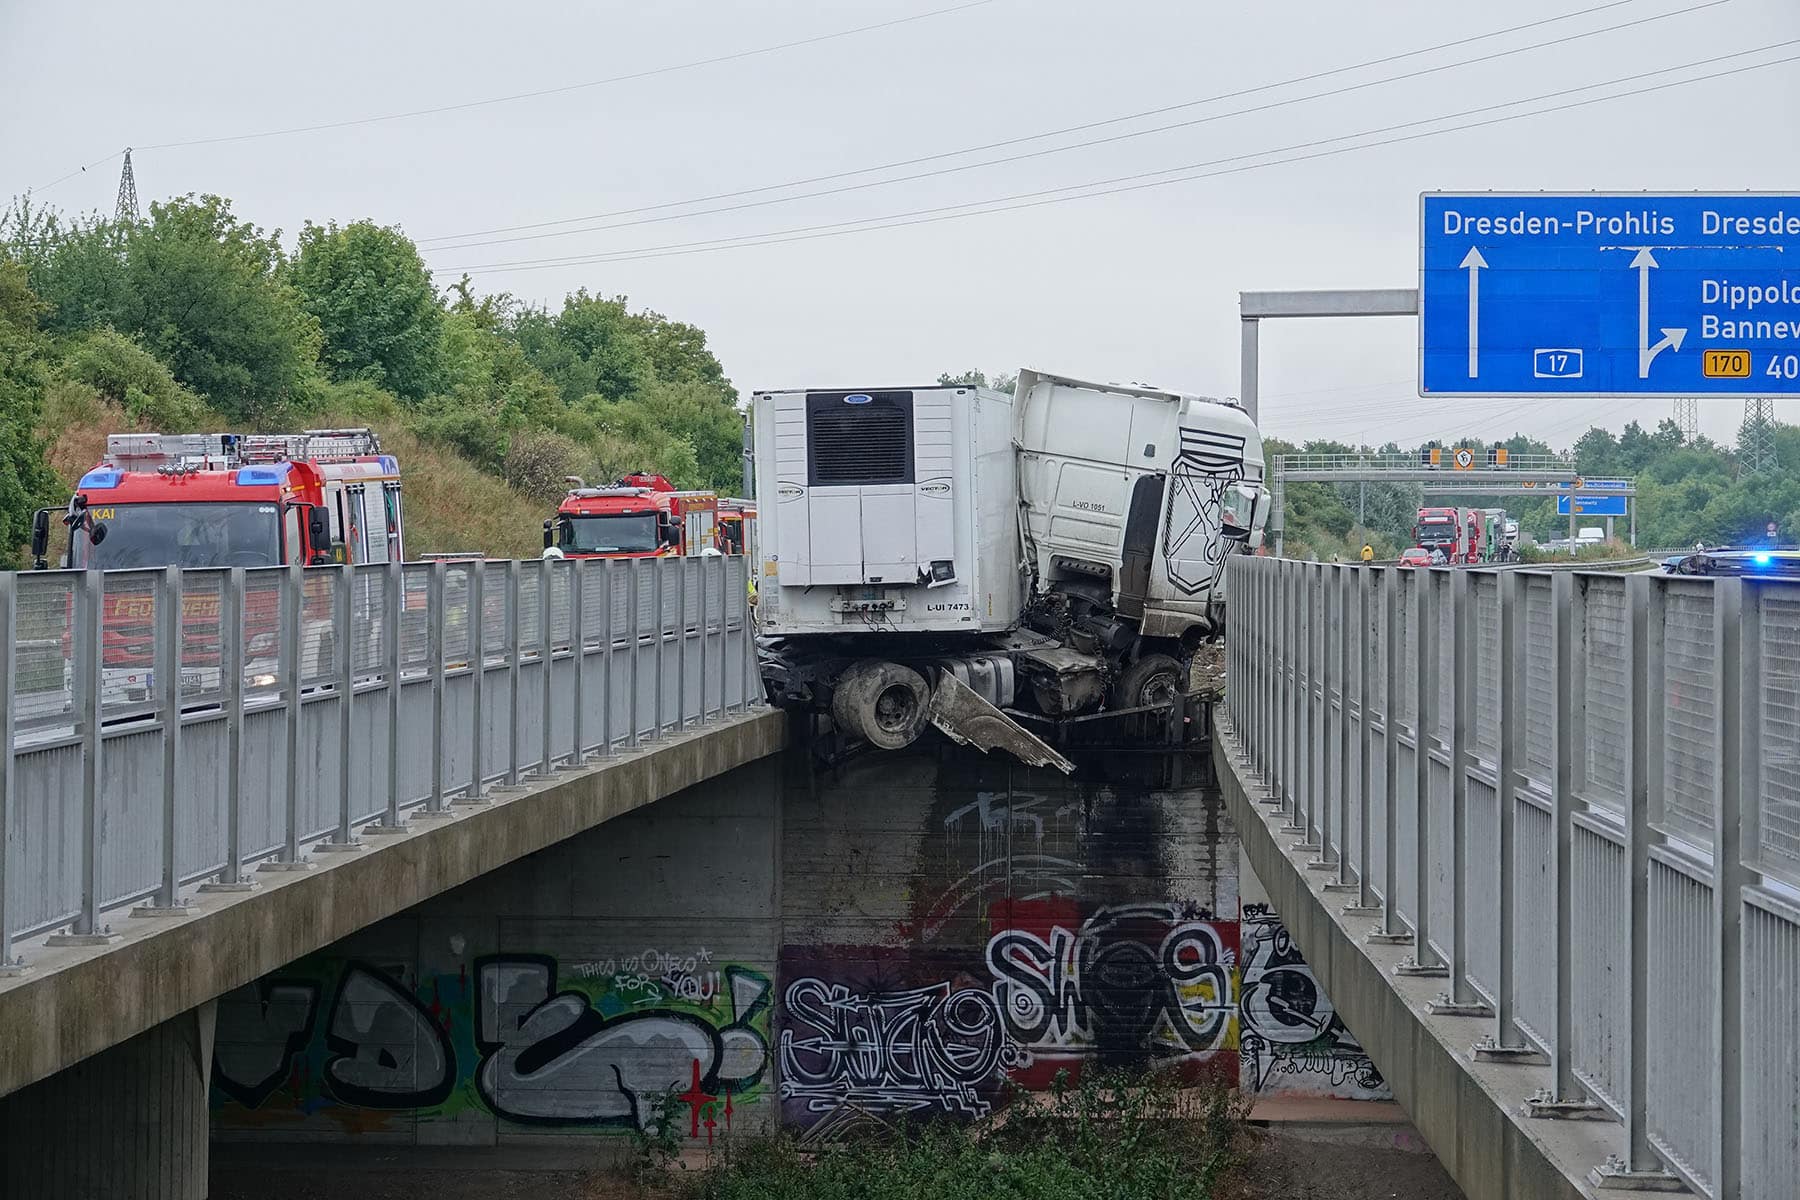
882,1032
624,1042
1293,1041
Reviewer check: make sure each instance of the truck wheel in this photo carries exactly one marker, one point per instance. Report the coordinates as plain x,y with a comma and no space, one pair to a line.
1152,679
883,703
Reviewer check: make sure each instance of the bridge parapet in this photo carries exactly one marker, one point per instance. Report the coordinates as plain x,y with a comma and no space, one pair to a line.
1576,798
162,729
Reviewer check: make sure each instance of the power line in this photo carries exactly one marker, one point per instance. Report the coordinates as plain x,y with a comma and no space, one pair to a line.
571,87
1084,145
1047,196
77,171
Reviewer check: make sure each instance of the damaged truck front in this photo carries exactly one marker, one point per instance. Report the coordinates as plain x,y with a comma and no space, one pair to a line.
954,555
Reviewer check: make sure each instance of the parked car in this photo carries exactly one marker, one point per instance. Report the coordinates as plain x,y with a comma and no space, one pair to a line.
1417,556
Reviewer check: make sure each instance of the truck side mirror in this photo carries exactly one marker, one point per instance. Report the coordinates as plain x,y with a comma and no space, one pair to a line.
40,539
549,533
318,529
1238,510
97,532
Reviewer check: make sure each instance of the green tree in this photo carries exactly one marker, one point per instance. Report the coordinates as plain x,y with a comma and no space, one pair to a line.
589,348
1002,382
678,354
26,481
378,315
205,293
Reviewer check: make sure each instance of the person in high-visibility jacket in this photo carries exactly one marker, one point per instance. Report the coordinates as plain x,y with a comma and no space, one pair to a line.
1368,553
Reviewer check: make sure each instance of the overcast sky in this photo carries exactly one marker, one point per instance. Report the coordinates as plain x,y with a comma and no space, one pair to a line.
1135,285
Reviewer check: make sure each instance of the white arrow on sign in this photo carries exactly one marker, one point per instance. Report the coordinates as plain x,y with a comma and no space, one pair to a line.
1473,263
1644,262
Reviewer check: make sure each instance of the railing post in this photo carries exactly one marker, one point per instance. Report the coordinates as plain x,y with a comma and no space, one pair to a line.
1366,610
343,622
1731,653
231,684
1460,1000
658,570
1318,606
90,636
1393,929
578,644
1424,959
395,621
10,964
515,718
752,672
681,650
293,598
434,650
478,680
168,679
637,626
1506,1040
1345,577
606,657
547,653
1562,604
704,635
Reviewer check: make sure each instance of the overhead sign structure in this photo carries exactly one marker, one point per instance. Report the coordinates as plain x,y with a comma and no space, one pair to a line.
1591,506
1586,294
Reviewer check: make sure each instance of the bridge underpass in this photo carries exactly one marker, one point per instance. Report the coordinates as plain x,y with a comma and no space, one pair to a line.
207,775
1567,928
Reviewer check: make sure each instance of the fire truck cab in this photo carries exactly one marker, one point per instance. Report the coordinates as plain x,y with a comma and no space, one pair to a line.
641,516
232,500
737,525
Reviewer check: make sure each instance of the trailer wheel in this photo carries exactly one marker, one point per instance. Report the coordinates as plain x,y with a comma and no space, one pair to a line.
1153,679
883,703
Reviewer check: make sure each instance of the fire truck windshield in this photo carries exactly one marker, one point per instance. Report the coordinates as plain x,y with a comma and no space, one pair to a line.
186,535
612,534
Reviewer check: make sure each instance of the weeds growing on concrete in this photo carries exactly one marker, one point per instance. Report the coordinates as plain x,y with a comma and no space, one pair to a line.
1117,1136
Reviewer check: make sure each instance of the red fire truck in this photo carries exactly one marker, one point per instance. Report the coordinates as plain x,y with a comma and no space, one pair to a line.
737,525
204,500
641,516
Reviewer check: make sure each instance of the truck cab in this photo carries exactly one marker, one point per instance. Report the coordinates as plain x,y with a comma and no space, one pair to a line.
641,516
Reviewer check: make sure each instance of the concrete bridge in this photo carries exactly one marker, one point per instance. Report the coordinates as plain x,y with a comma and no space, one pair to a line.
205,776
1539,836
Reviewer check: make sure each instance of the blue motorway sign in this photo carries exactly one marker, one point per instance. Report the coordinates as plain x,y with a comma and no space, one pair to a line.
1548,294
1591,506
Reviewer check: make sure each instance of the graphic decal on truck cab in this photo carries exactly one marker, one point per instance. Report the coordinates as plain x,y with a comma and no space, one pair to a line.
1209,463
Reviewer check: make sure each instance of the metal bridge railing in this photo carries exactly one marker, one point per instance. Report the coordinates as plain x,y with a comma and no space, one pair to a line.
160,729
1577,797
1525,463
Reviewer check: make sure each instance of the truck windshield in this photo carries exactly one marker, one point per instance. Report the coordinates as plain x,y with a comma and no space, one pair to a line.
185,535
609,534
1435,533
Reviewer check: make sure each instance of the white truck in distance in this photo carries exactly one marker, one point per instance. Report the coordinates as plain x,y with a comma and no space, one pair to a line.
937,555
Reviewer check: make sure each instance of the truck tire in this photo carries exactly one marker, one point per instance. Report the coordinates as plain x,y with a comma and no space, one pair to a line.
883,703
1152,679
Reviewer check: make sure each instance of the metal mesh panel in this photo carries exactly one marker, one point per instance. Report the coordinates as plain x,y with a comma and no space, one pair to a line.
264,601
368,620
531,615
1534,954
415,619
202,594
128,613
1690,770
458,630
560,578
494,599
1601,946
1540,682
1446,649
1409,647
1772,1099
1484,595
595,583
1604,673
1680,1018
45,671
1778,747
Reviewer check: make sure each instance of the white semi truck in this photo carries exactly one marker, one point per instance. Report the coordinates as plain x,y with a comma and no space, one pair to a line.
938,555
